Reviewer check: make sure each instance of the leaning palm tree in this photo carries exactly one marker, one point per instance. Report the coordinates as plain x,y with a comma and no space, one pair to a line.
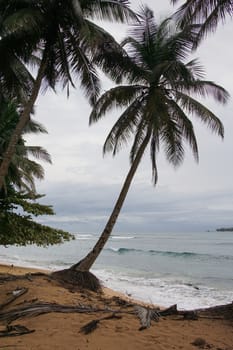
158,101
67,42
207,12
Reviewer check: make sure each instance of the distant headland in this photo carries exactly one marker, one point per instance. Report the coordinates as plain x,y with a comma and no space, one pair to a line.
223,229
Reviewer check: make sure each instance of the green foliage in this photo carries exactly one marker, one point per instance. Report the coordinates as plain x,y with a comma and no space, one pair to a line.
16,220
23,170
18,198
161,93
22,230
66,36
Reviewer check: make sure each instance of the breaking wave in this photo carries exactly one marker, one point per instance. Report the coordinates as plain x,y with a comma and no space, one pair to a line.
169,253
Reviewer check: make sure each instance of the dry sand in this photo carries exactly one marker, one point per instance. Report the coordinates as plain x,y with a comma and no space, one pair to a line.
61,331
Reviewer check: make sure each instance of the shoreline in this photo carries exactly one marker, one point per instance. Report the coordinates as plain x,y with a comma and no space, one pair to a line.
153,268
20,270
62,331
108,292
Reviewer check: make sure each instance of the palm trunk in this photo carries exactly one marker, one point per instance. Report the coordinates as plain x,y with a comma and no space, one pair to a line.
86,263
23,120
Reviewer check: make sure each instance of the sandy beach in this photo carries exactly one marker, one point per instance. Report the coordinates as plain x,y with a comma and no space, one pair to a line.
62,330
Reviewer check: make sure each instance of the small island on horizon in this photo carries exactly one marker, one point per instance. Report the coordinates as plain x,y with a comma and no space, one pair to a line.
223,229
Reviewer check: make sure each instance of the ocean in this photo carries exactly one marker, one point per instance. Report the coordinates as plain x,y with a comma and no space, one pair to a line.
191,270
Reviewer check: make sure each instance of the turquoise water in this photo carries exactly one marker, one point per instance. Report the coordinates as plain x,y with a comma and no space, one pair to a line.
190,269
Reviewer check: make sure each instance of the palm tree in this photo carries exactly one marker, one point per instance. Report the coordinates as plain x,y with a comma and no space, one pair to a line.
207,12
67,41
157,102
23,171
19,192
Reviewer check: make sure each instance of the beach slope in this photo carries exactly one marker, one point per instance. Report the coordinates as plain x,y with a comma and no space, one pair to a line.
61,331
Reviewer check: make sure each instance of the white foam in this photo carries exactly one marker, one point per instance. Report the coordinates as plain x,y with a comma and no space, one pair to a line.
114,249
83,236
123,237
165,291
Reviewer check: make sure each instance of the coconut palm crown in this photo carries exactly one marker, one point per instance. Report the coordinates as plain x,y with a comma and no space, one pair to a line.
158,99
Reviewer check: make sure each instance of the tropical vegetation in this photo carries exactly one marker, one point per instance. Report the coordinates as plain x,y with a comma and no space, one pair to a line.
157,101
160,93
18,197
60,38
23,170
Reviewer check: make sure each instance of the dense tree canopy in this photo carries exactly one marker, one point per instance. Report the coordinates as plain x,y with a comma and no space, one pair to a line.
17,220
67,41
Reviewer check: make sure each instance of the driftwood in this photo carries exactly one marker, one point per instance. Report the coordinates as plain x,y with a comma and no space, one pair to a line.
6,277
172,310
36,309
39,308
219,311
147,314
15,294
91,326
16,330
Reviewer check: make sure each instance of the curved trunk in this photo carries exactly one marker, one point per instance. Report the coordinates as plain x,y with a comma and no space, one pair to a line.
86,263
24,118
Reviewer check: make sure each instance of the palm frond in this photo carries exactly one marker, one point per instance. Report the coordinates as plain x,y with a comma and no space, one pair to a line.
23,21
145,28
180,43
176,74
146,315
31,170
196,68
119,96
194,107
140,133
111,10
108,54
83,67
171,138
34,127
123,128
206,88
63,68
206,12
186,126
39,153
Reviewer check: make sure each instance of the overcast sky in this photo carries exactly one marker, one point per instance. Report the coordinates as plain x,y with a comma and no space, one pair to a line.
82,185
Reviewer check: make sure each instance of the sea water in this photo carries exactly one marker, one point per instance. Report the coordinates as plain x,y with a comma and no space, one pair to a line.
189,269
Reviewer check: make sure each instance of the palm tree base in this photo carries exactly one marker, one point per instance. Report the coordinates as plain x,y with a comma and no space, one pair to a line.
75,279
